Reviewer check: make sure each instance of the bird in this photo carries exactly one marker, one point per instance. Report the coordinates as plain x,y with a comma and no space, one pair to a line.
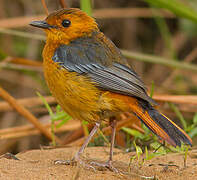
91,79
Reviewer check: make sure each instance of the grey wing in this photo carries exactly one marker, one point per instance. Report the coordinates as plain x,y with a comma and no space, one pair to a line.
92,62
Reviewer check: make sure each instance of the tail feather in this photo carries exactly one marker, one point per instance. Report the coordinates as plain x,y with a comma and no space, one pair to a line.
174,131
162,126
158,123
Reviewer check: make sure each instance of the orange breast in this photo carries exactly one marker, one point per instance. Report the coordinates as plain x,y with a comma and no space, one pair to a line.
76,94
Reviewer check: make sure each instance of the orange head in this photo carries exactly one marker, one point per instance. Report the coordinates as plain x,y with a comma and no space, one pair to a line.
65,25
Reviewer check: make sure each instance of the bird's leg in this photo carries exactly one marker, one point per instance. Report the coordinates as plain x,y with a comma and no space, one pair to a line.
81,150
113,126
77,157
108,164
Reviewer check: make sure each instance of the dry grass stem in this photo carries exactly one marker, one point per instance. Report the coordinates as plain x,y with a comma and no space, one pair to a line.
29,130
100,14
189,58
21,34
45,7
27,102
23,61
36,101
16,22
25,113
63,4
181,99
130,13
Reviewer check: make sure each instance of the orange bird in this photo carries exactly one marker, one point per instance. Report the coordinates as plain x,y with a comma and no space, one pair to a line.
92,81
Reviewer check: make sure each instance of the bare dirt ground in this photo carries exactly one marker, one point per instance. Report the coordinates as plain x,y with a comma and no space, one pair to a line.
39,165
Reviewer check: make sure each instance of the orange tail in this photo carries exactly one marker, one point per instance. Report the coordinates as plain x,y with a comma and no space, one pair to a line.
160,124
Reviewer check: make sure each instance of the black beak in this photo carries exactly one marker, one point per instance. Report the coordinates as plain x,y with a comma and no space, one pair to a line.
41,24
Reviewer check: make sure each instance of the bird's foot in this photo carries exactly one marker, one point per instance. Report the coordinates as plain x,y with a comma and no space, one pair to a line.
107,165
73,162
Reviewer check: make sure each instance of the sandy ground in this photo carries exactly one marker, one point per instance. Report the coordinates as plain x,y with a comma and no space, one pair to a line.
39,165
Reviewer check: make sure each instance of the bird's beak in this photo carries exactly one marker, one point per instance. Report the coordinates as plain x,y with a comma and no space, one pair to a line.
41,24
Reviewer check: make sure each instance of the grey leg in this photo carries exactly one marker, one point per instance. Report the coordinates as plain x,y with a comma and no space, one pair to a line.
81,150
108,164
113,126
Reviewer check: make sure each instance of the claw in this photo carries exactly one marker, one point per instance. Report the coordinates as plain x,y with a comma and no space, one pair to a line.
64,162
74,162
107,164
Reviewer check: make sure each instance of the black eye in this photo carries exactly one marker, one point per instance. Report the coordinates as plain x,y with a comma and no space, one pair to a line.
66,23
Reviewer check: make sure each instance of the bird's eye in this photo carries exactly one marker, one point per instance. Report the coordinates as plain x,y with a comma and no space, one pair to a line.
66,23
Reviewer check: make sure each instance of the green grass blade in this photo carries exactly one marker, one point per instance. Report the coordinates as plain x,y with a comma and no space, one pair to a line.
85,128
152,89
165,33
195,119
60,115
62,122
46,104
193,132
177,7
133,132
159,60
86,6
104,137
179,115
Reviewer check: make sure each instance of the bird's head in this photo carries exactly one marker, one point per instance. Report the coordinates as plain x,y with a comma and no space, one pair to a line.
65,25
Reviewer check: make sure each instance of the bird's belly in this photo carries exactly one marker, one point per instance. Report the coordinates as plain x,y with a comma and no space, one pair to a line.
75,93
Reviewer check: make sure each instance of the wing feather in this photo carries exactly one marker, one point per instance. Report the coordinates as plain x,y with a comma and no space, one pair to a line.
93,58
